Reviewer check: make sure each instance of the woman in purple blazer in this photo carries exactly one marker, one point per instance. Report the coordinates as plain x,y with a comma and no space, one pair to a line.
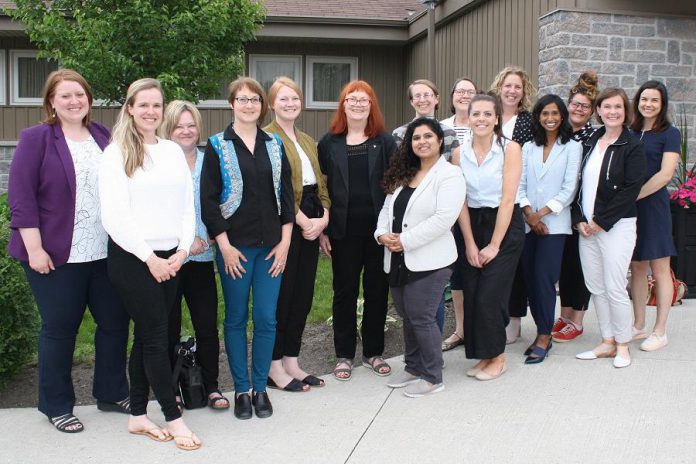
58,237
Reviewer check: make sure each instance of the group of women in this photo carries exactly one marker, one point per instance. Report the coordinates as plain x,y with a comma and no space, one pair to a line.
124,223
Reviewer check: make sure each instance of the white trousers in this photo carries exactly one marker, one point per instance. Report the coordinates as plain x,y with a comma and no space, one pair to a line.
605,259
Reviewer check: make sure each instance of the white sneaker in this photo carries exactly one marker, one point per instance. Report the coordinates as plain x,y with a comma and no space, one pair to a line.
422,388
402,380
620,361
654,342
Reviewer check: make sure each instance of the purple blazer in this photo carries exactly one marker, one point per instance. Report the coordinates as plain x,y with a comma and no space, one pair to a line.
41,189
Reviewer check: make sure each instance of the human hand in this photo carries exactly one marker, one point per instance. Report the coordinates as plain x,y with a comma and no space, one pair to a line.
233,261
280,255
472,255
198,246
160,268
540,228
488,254
584,229
325,244
40,262
177,260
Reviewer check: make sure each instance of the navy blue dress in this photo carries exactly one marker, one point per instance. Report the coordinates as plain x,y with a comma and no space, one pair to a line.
654,220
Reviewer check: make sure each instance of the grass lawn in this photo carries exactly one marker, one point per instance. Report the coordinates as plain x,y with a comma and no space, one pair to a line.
321,311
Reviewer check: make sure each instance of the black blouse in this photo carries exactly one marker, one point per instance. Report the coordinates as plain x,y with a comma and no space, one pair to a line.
256,223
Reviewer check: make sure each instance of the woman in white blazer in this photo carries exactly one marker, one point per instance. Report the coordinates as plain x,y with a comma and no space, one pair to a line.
550,163
425,197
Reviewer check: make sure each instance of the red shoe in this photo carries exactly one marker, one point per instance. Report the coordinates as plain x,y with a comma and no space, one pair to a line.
560,323
566,334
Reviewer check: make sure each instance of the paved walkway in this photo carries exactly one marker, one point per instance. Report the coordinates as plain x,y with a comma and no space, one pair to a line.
642,414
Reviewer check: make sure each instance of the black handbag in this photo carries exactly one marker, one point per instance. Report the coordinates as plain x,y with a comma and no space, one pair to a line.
187,376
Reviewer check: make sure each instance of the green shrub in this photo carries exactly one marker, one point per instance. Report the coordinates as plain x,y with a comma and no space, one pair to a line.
19,319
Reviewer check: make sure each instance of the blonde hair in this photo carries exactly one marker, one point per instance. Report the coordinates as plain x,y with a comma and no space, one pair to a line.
172,114
253,85
125,135
283,81
49,91
528,90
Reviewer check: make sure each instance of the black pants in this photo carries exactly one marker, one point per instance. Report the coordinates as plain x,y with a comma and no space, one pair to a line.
297,287
487,290
517,306
148,304
350,257
62,296
571,284
197,285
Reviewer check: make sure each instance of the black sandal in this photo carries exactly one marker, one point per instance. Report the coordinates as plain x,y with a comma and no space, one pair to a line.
67,420
122,406
313,381
213,402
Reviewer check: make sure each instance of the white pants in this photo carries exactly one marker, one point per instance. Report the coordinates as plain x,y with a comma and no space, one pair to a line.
605,259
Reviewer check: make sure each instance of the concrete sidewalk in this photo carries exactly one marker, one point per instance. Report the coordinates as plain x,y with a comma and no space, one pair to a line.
561,411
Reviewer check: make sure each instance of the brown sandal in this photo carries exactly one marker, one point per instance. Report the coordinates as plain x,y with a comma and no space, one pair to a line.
376,364
343,370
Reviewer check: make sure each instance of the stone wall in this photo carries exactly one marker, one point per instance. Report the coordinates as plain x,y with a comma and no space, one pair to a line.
6,152
625,51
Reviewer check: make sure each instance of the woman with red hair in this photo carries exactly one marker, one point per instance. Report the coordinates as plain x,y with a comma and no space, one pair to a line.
353,156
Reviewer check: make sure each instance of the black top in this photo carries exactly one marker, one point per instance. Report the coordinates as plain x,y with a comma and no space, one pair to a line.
399,274
361,216
333,159
620,180
522,132
256,222
584,134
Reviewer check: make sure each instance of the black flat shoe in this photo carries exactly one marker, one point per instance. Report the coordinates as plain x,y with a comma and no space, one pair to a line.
262,405
313,381
294,386
242,406
122,406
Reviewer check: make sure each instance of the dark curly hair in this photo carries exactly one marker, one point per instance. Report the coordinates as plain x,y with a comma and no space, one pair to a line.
565,131
404,163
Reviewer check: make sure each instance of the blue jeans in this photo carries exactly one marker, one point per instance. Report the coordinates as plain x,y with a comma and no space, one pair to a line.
236,294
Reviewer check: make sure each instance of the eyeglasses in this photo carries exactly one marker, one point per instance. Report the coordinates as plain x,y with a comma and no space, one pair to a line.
358,102
576,105
462,92
424,96
245,100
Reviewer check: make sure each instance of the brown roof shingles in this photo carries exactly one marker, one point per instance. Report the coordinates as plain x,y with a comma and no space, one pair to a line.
362,9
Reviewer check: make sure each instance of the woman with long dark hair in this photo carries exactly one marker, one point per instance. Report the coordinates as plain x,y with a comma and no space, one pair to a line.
425,197
547,188
493,229
654,243
354,155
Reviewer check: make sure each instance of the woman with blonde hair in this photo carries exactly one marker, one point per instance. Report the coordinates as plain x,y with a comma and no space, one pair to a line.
247,205
517,93
311,218
182,124
56,233
147,210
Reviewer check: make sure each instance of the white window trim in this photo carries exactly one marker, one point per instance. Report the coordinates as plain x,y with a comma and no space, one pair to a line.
294,59
3,68
14,78
309,89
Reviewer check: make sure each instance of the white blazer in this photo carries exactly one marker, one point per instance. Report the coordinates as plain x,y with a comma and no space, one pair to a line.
430,213
552,183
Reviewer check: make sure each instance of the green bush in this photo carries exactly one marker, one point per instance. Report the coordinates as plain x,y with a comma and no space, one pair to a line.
19,319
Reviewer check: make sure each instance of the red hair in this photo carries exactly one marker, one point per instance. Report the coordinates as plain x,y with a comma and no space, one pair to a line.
375,121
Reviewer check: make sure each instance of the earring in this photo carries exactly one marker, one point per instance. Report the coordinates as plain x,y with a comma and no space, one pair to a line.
54,111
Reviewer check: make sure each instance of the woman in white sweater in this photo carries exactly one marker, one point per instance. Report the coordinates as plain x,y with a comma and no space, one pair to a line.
147,210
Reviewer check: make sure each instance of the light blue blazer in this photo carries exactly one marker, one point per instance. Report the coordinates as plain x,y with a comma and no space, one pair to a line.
552,183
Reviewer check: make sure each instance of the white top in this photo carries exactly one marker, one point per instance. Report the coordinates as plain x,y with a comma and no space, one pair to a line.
484,184
89,237
463,132
308,176
550,183
509,127
153,209
590,181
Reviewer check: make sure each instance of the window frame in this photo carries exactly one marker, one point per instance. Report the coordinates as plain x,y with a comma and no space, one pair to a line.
15,99
3,73
296,60
309,85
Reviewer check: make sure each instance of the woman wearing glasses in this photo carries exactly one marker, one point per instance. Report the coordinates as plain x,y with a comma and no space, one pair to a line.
247,205
574,294
463,90
354,155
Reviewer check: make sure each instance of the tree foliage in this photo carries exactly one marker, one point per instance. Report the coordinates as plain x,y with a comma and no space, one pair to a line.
191,46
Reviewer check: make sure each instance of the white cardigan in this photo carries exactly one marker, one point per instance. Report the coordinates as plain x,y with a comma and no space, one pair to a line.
431,211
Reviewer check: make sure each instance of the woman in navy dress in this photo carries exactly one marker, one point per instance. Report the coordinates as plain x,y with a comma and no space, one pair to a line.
654,244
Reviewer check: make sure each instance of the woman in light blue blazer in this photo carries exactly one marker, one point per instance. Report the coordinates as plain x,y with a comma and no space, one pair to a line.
550,164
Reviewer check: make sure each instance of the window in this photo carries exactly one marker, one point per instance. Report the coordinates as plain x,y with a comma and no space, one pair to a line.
266,68
220,101
28,76
326,76
3,90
